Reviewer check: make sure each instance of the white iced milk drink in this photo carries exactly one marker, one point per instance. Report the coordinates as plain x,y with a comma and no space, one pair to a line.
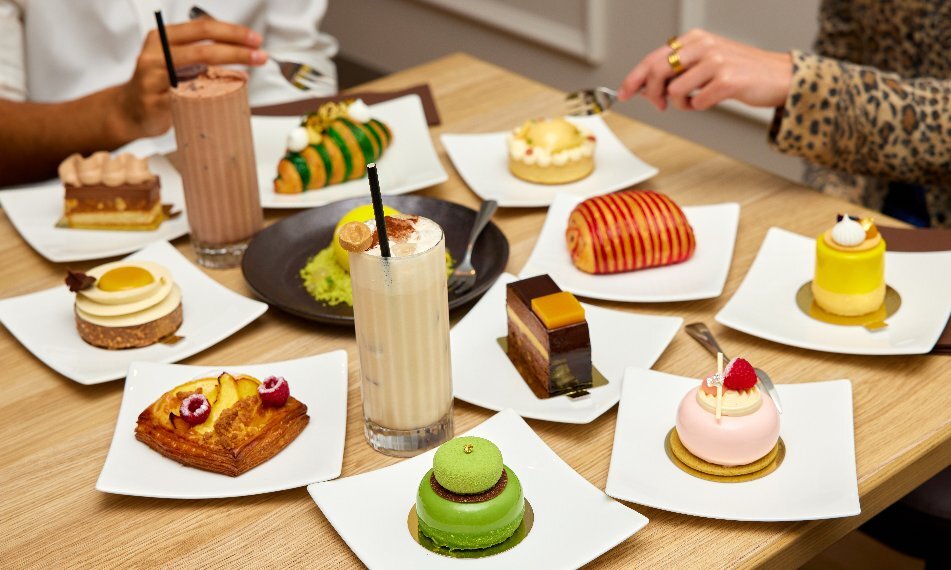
401,313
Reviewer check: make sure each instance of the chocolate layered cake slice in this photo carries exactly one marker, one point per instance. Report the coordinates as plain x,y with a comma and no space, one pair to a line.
548,338
114,193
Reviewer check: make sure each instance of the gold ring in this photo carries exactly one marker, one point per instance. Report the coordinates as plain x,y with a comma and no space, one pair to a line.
674,43
673,59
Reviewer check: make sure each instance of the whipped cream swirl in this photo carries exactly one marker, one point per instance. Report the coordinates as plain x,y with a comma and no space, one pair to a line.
848,232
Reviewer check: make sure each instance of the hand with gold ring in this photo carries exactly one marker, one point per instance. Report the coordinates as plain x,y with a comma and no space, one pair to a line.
698,70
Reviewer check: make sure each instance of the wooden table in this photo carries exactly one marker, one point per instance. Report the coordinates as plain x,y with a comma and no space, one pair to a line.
55,433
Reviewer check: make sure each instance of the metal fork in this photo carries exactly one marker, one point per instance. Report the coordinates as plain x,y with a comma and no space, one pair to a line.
701,333
464,277
590,101
300,75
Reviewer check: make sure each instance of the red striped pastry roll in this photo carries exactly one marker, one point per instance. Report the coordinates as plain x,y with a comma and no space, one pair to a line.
627,231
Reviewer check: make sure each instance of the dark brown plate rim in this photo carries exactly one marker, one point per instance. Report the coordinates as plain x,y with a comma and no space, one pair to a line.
490,254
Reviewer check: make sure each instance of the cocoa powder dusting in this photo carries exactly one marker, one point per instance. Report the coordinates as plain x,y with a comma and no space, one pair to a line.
397,229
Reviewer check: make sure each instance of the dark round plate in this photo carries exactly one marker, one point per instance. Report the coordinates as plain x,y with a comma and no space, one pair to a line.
274,258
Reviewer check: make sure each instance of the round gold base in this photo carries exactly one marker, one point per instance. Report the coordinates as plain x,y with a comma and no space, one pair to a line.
528,519
873,321
693,465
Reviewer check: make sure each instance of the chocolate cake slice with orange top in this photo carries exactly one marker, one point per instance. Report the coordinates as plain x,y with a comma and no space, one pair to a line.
548,339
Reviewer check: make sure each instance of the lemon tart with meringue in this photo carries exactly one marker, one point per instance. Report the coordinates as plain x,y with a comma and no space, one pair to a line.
551,151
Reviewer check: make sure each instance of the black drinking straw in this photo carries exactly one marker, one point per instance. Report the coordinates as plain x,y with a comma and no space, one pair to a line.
172,78
378,209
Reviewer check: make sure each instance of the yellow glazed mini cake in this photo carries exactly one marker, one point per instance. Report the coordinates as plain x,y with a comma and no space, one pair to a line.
551,151
850,268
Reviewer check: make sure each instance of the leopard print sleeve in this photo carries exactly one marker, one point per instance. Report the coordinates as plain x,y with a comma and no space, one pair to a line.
839,34
864,121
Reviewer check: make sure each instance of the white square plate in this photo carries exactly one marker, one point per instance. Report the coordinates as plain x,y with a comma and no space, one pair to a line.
816,480
574,521
482,161
764,305
700,277
482,373
320,382
35,210
410,163
43,322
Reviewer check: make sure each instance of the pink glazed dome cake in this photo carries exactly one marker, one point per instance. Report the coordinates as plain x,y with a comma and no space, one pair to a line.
736,435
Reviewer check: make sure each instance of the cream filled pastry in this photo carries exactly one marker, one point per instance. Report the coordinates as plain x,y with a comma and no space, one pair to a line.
551,151
332,145
727,422
850,268
126,304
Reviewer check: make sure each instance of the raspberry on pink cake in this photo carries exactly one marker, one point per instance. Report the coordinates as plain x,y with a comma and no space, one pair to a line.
727,425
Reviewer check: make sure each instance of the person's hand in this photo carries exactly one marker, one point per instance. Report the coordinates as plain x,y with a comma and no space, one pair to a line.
715,68
143,103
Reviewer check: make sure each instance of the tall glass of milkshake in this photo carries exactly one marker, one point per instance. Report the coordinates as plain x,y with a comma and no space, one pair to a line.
401,313
213,130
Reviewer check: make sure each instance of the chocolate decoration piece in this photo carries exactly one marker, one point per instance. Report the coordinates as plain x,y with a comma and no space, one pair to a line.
169,211
189,72
533,287
78,281
487,495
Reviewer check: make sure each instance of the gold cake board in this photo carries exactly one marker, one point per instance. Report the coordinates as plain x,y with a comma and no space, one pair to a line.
528,520
872,321
597,379
673,440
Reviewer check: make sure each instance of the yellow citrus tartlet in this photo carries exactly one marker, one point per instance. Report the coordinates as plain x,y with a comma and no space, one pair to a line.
551,151
850,268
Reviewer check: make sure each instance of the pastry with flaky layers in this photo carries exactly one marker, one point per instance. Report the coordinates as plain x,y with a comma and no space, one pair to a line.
227,423
126,304
627,231
850,268
736,435
332,145
110,193
551,151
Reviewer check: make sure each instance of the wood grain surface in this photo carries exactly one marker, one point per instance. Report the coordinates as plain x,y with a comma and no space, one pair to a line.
54,433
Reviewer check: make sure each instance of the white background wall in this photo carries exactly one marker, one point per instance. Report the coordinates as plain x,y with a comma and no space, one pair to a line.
578,43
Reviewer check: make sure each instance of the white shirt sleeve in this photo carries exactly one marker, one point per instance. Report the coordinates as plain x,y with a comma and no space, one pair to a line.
293,34
12,74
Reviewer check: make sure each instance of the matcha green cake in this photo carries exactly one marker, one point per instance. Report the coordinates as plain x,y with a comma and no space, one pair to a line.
469,499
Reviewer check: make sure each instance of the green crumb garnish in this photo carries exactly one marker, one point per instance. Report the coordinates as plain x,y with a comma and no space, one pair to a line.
325,280
329,283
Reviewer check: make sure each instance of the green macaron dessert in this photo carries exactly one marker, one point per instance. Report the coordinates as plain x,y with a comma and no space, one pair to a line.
469,499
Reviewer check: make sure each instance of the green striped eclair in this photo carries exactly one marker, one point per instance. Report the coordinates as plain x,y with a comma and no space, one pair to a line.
332,145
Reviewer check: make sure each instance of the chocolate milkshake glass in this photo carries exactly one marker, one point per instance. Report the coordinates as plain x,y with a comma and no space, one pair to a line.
401,313
213,130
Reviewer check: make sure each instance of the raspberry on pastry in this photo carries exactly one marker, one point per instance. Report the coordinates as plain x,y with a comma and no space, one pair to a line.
227,424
